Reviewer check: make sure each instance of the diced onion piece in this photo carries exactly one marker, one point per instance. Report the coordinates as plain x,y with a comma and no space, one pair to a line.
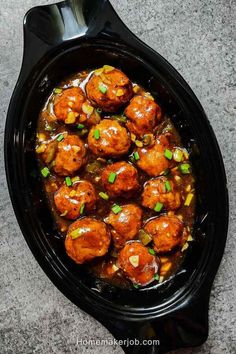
178,155
115,268
108,68
178,179
75,179
190,238
136,88
87,109
185,246
188,199
98,71
76,233
133,137
119,92
138,143
76,148
71,118
72,193
64,214
161,279
186,154
165,268
134,260
144,237
41,137
41,148
188,188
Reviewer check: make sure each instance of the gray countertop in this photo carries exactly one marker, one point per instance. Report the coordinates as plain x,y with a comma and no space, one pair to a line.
198,38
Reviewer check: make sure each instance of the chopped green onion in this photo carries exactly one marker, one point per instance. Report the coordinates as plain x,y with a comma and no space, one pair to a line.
136,155
102,88
168,154
75,179
99,110
45,172
80,126
168,186
96,134
103,195
151,251
48,127
166,172
185,168
76,233
81,211
136,286
158,207
68,181
116,209
57,90
156,277
119,118
112,177
60,137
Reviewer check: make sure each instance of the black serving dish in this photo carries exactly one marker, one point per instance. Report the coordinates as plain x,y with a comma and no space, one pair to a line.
70,36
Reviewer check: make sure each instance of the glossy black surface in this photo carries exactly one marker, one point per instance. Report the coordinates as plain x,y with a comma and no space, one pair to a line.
68,37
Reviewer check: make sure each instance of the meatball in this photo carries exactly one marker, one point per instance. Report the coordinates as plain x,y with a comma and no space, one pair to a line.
70,155
71,201
143,113
86,239
68,104
109,138
120,178
126,224
167,233
109,89
137,263
161,190
152,159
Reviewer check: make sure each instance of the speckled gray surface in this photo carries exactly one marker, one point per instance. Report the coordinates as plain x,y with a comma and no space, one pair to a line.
198,38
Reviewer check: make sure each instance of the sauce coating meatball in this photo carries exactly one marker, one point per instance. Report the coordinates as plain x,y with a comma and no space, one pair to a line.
137,263
167,233
70,201
108,138
68,104
124,181
143,113
87,239
161,190
109,89
126,224
152,159
70,155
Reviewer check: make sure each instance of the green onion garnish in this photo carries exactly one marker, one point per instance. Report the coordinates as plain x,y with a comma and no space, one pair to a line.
103,195
156,277
112,177
185,168
68,181
99,110
48,127
80,126
57,90
76,233
136,155
136,286
168,186
102,88
96,134
168,154
81,211
45,172
151,251
158,207
60,137
116,209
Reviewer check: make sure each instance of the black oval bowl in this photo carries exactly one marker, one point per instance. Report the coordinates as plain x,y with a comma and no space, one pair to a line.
68,37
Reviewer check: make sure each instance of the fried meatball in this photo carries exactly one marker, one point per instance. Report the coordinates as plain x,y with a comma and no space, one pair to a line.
152,159
70,200
87,239
137,263
109,89
163,191
126,179
111,140
167,233
68,104
142,114
126,224
70,155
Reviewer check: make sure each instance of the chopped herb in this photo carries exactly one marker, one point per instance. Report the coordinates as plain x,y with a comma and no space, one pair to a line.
102,88
82,132
156,277
68,181
112,177
116,209
99,110
136,155
45,172
144,237
168,186
96,134
151,251
76,233
166,172
168,154
158,207
75,179
80,126
119,118
60,137
103,195
185,168
136,286
81,211
57,90
48,127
